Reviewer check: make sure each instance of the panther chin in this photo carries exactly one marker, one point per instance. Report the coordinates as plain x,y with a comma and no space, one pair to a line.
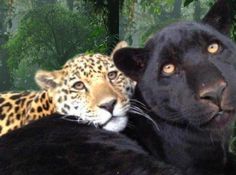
220,120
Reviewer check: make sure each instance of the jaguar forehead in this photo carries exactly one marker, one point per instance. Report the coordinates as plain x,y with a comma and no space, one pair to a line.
89,66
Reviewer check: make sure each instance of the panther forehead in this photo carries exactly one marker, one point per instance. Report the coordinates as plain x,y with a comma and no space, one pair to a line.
170,44
182,32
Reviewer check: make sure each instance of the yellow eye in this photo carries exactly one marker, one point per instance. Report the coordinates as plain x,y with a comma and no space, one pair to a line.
168,69
79,85
213,48
112,75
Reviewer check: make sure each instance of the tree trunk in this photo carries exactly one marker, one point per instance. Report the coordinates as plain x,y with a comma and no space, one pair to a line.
43,2
113,23
197,11
4,72
70,4
5,84
177,9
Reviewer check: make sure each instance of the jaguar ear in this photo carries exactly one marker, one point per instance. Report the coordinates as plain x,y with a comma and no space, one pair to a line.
48,80
219,16
131,61
118,46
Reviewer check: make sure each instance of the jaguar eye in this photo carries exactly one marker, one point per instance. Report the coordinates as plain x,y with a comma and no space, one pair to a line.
213,48
168,69
79,85
112,75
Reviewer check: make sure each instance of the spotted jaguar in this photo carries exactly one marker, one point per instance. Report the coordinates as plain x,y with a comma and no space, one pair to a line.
88,87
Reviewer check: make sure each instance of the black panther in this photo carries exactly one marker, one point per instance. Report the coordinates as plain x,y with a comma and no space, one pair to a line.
53,146
187,78
186,75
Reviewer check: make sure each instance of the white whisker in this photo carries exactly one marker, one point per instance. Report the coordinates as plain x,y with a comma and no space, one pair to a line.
66,117
139,104
141,113
136,101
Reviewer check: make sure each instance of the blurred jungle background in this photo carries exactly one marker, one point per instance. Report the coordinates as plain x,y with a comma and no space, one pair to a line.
43,34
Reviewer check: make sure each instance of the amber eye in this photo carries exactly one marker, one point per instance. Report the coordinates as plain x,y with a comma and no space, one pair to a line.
213,48
168,69
112,75
79,85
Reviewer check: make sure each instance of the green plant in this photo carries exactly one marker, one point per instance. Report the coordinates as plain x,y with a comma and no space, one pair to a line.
47,36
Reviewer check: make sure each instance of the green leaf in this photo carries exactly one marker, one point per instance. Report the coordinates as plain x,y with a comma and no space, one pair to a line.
47,36
187,2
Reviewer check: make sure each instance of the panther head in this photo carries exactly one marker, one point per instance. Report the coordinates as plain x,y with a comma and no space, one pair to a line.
186,72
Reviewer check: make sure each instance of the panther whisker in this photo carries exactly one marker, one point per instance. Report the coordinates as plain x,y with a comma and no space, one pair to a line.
136,101
129,125
141,113
172,117
140,106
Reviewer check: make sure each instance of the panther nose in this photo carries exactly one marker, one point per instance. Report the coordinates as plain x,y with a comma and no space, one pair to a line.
109,106
213,93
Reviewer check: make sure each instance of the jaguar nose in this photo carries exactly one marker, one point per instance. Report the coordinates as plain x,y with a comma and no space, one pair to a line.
213,93
109,106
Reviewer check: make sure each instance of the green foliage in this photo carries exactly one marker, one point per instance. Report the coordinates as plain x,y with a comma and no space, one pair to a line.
233,145
187,2
142,18
47,37
233,6
233,31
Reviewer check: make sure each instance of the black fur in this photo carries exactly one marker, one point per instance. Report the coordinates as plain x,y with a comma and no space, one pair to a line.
53,146
187,104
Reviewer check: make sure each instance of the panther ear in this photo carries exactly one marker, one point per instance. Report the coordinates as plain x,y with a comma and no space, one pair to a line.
219,16
48,80
131,61
118,46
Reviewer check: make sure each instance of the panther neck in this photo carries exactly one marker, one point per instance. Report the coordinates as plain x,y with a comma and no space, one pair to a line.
194,151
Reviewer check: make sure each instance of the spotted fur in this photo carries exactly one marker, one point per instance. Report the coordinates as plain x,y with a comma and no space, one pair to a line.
103,101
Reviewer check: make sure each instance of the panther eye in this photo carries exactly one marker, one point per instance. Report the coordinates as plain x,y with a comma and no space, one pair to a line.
79,85
168,69
213,48
112,75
